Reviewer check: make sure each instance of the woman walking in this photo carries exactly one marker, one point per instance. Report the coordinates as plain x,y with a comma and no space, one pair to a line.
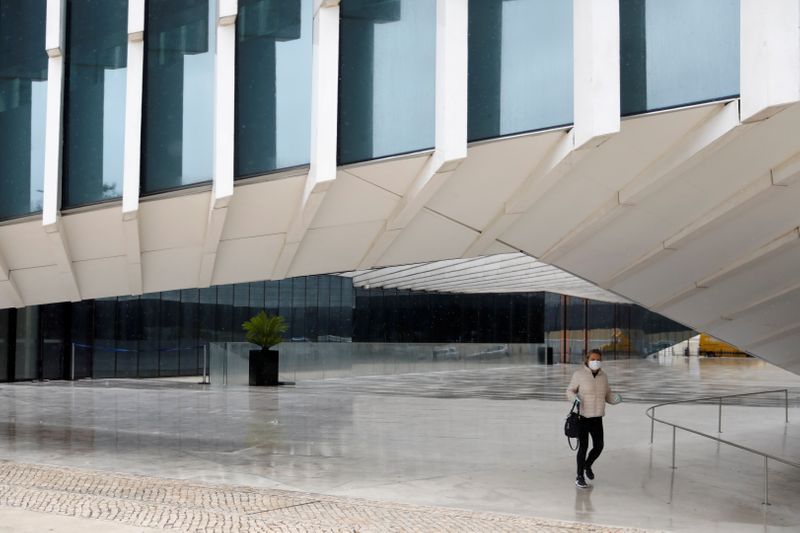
589,387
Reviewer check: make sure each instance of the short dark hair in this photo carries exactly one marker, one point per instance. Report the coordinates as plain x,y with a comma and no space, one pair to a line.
589,354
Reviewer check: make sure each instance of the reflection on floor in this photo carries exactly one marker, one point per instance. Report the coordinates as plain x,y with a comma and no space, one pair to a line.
484,440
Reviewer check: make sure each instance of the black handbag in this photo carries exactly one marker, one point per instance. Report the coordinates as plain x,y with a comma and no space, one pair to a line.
572,423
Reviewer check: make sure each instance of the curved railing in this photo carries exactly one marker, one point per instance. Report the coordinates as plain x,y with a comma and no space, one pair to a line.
651,413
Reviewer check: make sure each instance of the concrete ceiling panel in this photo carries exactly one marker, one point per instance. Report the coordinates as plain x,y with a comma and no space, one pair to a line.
352,200
489,176
40,285
249,259
99,278
177,222
429,237
334,249
175,268
263,208
25,245
95,234
394,175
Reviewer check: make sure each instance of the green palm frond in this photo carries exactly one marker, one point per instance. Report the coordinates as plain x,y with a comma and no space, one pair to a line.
265,330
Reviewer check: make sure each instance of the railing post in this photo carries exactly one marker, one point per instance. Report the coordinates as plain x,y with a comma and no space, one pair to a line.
673,447
766,481
652,423
719,422
786,396
205,364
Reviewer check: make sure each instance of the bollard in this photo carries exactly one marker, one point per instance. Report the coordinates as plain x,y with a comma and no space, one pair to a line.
673,447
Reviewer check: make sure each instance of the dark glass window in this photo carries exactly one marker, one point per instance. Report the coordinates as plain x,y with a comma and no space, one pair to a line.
520,66
23,95
273,85
169,342
94,118
387,56
677,53
178,113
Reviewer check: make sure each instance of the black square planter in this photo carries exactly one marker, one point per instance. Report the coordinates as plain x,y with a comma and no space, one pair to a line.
264,367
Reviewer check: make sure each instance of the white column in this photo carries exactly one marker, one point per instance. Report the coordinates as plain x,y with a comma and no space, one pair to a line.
54,43
452,60
133,142
324,91
324,116
596,71
770,57
224,125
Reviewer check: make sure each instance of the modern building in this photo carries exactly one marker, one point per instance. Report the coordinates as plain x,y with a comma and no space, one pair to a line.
171,147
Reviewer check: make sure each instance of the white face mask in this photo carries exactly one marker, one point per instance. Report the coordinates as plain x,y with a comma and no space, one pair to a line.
595,365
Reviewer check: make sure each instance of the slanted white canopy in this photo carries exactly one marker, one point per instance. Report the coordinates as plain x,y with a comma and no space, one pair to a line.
502,273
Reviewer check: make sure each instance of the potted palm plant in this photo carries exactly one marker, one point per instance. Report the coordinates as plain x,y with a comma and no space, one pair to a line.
265,331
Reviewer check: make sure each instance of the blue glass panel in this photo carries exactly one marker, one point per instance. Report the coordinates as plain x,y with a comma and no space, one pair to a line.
386,79
520,66
677,52
94,117
179,94
23,92
273,85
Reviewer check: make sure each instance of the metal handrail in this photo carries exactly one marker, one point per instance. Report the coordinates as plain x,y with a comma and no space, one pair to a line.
650,412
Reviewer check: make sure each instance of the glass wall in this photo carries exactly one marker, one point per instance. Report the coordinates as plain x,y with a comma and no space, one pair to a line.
178,106
273,85
4,343
391,315
23,93
387,73
573,325
165,334
520,66
94,111
677,52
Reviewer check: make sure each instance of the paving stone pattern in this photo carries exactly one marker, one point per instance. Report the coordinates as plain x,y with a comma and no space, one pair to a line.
189,506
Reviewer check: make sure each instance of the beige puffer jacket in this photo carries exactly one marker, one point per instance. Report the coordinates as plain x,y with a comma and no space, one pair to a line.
593,391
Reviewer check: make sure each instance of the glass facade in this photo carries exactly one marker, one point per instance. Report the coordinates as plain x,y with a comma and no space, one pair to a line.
677,52
273,85
178,101
520,66
387,75
166,333
573,325
391,315
94,116
23,94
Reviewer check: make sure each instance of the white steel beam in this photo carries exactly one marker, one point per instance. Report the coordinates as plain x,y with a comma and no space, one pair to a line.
133,141
596,111
51,219
5,277
707,138
452,30
770,57
774,247
558,162
224,126
324,132
596,71
784,175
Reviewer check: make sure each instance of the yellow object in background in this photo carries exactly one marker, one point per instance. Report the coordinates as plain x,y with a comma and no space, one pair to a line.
713,347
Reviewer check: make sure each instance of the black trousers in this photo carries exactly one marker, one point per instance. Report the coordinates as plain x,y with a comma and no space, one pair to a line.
594,427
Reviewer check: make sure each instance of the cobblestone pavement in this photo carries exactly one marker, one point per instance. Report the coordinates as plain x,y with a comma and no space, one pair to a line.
186,506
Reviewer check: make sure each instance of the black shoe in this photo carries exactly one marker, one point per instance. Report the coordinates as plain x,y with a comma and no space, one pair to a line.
589,472
581,483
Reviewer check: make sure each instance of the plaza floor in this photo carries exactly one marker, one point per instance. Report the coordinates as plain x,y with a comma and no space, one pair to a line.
485,446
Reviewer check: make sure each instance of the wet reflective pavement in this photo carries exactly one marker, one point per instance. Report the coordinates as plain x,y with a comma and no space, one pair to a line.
487,440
